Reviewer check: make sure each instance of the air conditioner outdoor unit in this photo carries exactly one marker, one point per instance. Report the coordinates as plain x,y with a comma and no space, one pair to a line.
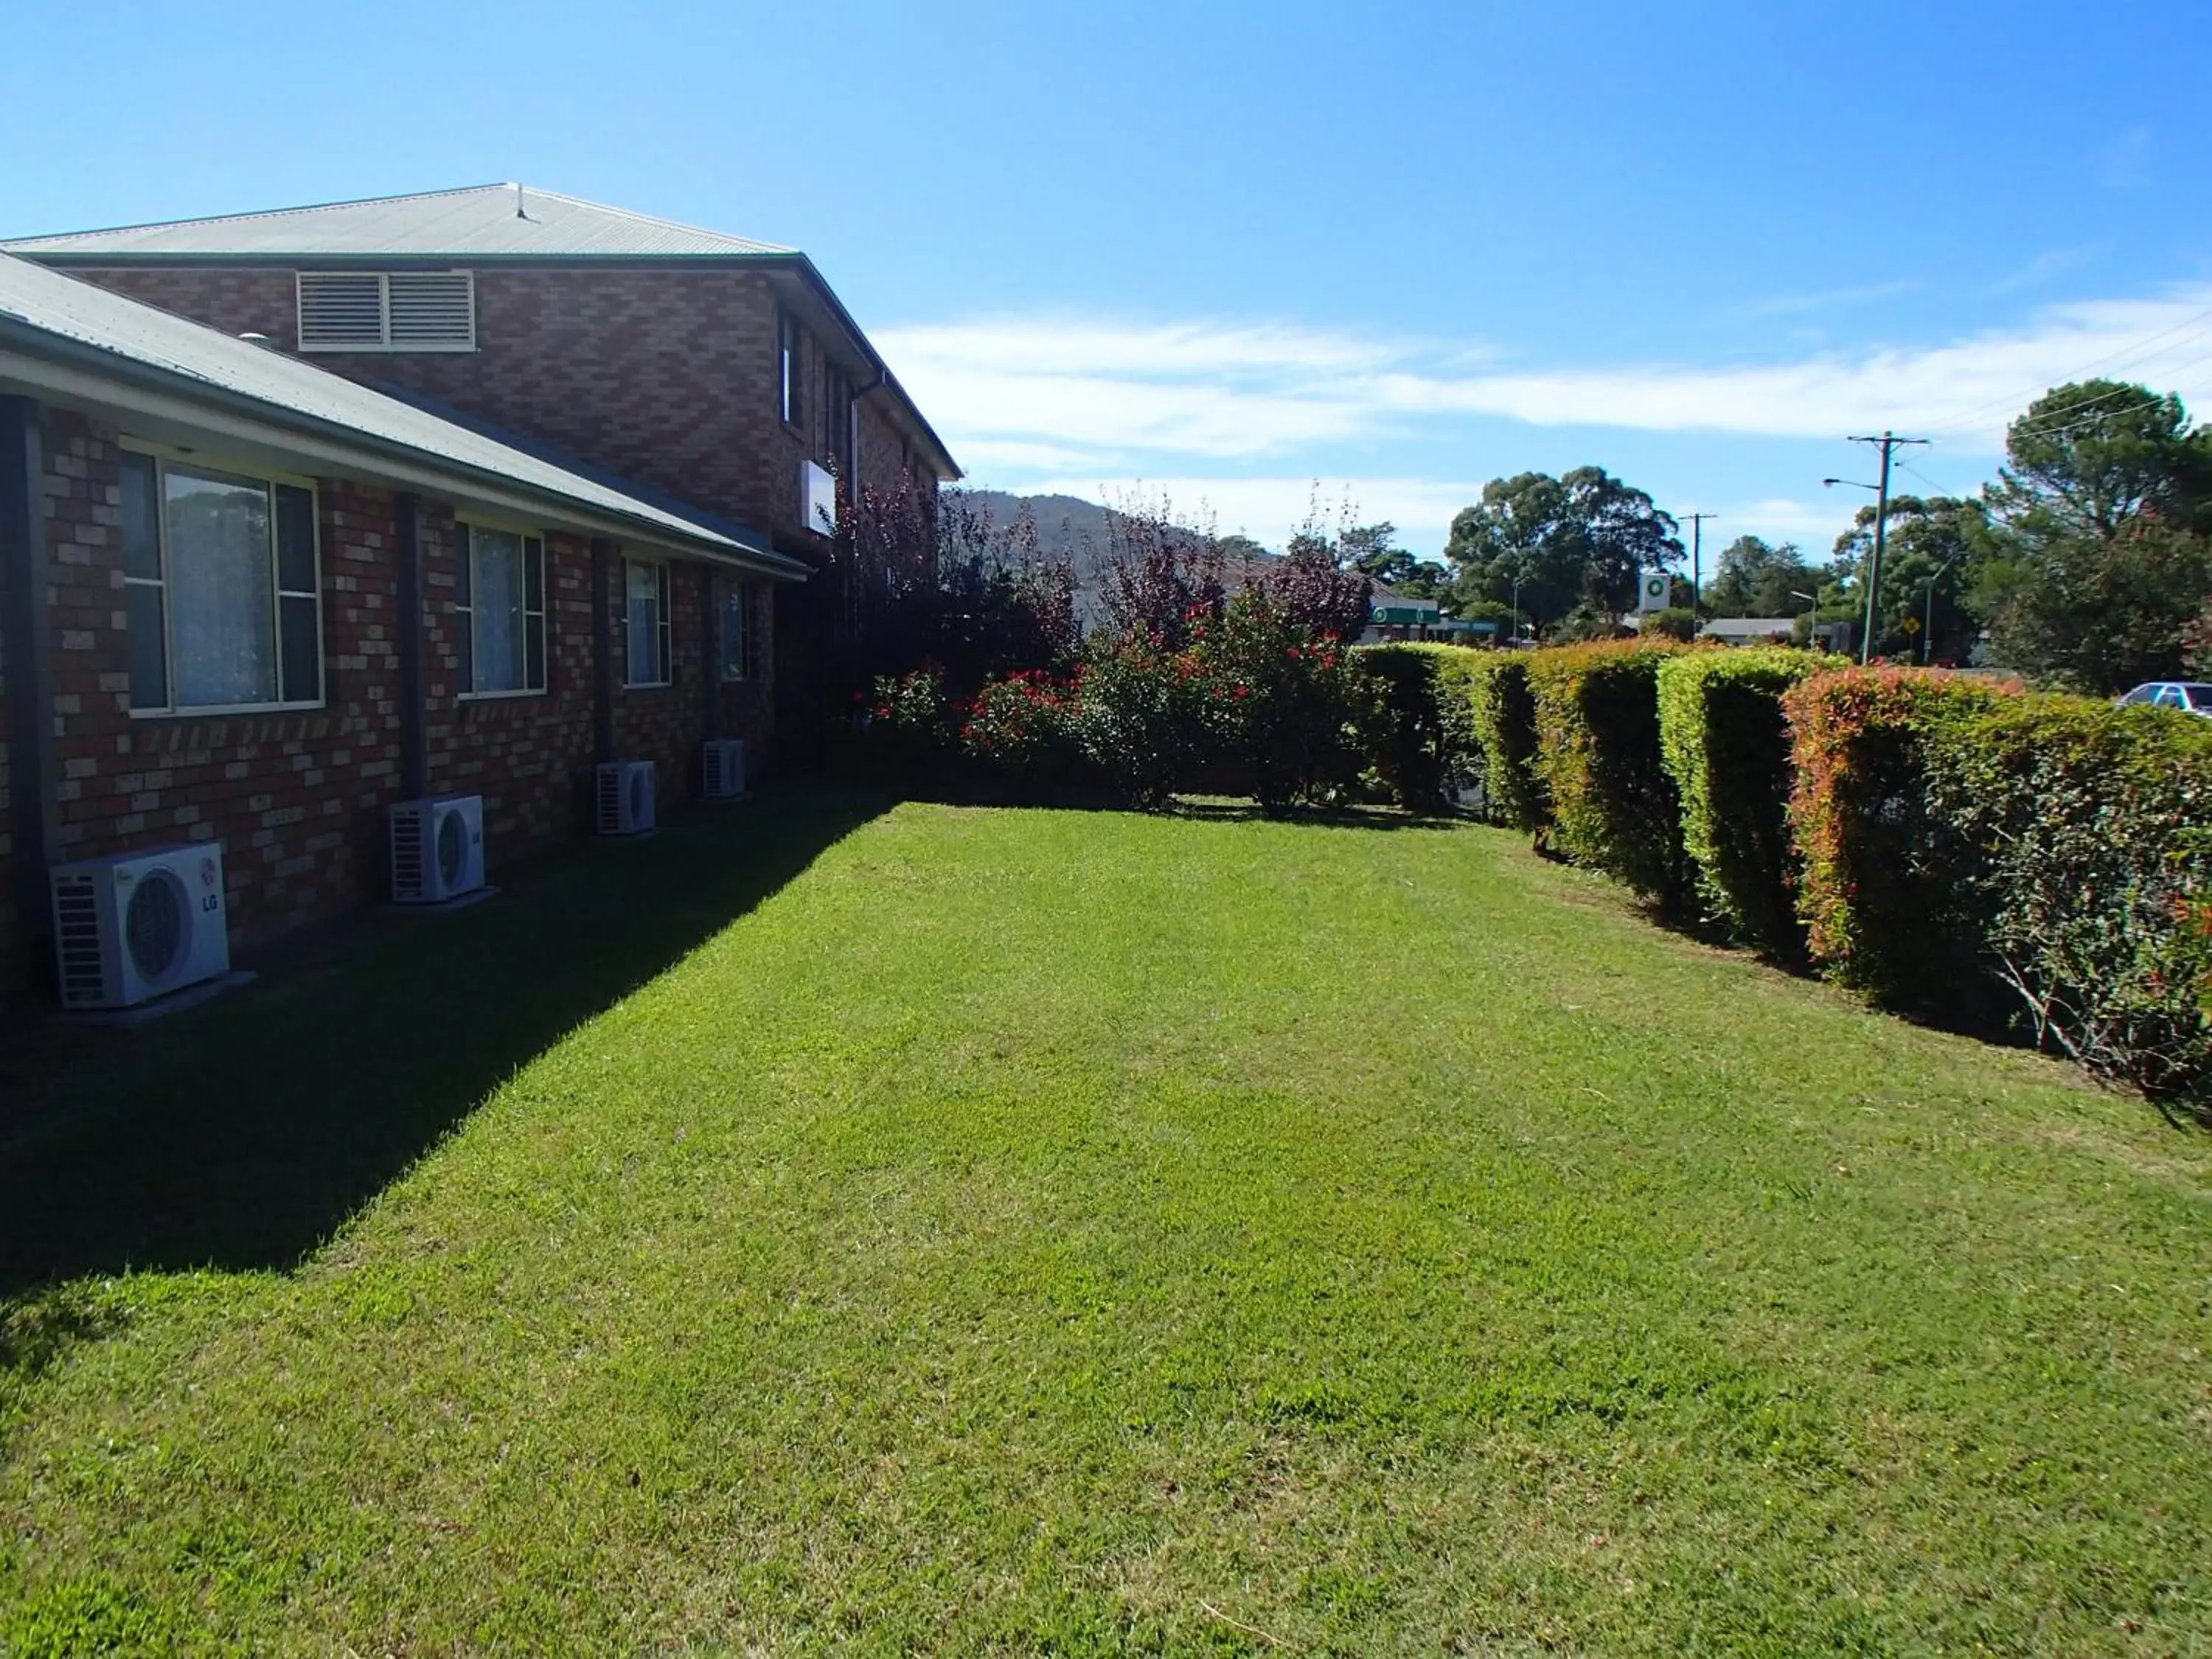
437,848
137,925
722,769
625,797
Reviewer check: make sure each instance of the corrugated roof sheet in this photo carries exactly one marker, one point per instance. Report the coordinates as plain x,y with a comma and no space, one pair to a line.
61,307
481,221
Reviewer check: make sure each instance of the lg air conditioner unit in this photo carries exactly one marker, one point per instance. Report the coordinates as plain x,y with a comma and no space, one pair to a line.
137,925
437,848
625,797
722,769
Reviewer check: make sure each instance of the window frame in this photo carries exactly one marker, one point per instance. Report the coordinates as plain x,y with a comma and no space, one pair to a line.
663,633
385,345
163,458
746,663
464,551
790,369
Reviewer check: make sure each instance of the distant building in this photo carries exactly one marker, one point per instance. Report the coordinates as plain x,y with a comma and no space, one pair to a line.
1394,617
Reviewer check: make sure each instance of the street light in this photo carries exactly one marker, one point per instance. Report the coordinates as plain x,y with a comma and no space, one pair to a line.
1812,614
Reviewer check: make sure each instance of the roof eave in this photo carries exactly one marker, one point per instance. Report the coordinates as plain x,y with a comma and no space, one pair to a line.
127,373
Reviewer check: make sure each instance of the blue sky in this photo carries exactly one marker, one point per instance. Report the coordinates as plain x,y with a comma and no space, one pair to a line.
1228,250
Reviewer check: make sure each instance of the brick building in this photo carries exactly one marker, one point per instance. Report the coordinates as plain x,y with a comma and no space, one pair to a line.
621,443
246,601
721,371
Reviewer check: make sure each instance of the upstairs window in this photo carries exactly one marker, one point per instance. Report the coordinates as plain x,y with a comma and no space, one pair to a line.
220,577
787,364
387,311
837,418
500,612
644,617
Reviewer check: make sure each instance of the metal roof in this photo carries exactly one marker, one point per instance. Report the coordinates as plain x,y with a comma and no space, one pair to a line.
481,222
49,315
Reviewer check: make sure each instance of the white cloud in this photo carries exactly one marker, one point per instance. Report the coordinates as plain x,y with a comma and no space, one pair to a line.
1795,305
1069,395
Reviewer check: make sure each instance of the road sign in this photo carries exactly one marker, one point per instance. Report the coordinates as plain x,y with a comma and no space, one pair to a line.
1912,624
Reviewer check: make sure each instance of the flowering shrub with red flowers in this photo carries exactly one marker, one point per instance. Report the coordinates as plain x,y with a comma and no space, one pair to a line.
1138,715
1023,727
910,720
1278,699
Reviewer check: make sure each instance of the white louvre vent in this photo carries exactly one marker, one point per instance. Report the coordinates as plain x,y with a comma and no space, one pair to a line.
387,311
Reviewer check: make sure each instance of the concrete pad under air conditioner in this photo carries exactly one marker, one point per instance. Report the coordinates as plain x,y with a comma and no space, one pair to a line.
161,1007
445,907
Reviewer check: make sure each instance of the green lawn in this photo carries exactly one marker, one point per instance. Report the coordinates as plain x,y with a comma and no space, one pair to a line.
966,1230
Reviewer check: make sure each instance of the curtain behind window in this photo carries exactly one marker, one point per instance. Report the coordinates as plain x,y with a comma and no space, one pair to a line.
222,589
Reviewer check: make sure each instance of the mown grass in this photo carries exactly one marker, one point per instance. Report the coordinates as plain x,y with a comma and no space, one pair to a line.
1088,1233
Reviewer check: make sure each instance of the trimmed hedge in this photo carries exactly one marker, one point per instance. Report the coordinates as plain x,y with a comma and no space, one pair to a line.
1725,743
1613,806
1503,710
1883,898
1416,726
2089,869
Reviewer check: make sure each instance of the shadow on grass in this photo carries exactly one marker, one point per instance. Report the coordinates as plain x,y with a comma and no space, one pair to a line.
240,1135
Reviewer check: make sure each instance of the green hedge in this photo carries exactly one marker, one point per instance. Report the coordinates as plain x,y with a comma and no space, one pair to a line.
2088,871
1503,711
1726,745
1415,722
1884,897
1613,806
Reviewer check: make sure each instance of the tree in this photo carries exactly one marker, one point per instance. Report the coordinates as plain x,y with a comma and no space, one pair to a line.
2096,560
1934,542
1371,550
1564,543
1754,578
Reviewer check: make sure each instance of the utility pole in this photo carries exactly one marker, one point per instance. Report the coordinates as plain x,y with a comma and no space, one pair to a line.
1697,564
1889,443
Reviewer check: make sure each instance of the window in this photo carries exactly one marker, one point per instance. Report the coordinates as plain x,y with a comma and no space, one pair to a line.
387,311
786,360
837,418
738,654
500,612
225,604
645,611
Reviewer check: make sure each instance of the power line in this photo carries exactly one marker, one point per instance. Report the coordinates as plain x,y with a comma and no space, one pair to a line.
1966,417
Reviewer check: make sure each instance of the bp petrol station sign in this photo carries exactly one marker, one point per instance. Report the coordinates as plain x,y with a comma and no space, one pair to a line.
1653,589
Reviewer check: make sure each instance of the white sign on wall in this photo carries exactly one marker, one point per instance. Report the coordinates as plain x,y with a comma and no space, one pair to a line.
1653,590
817,498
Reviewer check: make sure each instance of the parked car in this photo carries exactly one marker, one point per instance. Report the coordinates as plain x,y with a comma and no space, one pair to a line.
2193,696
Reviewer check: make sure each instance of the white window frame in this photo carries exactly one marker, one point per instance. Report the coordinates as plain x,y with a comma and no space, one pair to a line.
163,458
465,610
664,637
745,668
384,345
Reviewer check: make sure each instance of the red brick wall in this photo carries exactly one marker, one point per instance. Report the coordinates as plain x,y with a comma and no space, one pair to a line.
299,800
530,757
667,376
296,798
